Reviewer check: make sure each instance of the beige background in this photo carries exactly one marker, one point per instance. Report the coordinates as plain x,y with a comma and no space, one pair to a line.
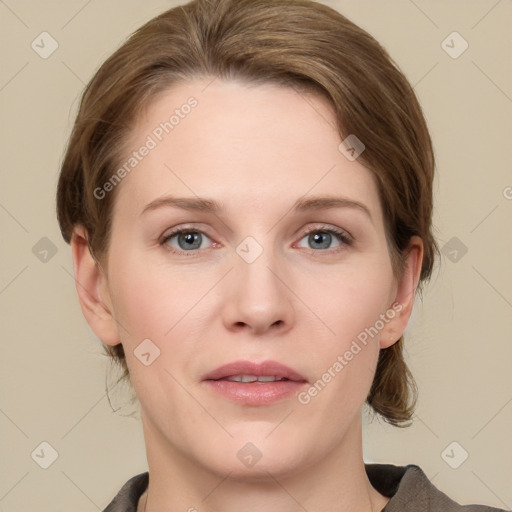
459,343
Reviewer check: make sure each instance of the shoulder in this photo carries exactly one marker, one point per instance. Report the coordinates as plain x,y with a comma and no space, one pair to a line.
408,487
411,490
127,498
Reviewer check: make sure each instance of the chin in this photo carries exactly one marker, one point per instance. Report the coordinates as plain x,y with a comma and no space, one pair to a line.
266,469
255,456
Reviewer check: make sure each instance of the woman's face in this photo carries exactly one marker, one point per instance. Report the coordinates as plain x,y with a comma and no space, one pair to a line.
285,261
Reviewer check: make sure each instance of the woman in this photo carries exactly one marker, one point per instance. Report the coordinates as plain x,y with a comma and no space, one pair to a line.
248,196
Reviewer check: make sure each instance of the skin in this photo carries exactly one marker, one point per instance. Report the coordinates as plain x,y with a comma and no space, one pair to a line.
256,149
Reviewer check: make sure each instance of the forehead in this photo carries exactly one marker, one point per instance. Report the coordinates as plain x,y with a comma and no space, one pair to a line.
259,147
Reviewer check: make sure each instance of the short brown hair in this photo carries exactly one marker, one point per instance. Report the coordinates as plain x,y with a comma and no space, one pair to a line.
297,43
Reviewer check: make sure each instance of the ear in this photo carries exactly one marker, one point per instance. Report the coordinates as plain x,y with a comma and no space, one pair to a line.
401,308
91,286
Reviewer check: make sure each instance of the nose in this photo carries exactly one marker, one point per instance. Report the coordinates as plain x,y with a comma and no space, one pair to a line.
258,300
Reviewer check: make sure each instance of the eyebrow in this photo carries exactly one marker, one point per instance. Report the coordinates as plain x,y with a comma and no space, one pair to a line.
301,205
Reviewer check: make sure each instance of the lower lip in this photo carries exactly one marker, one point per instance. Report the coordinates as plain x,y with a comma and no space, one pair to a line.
255,393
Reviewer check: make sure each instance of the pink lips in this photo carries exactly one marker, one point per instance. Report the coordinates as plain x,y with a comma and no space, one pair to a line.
255,393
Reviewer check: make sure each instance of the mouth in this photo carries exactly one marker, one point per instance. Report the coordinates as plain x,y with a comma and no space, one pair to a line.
254,378
250,372
250,383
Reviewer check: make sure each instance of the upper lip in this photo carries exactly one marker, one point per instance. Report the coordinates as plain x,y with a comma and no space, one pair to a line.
264,368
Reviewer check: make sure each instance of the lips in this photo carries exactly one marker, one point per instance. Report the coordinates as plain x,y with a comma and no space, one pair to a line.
250,372
253,384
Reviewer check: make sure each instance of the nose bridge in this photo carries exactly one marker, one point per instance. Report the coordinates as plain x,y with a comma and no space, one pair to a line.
255,261
258,298
255,266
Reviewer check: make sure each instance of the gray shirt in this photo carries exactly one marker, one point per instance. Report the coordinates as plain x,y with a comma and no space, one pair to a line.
408,487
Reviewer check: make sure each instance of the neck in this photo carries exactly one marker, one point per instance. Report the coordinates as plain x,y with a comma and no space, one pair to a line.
336,482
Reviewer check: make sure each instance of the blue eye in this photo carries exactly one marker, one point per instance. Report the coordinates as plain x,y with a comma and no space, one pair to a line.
187,240
323,237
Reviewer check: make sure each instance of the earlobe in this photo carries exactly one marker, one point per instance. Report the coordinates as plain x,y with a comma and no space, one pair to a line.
92,291
405,294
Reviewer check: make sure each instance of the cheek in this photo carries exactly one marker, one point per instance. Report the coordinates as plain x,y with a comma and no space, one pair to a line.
171,307
149,300
346,353
157,305
350,299
334,302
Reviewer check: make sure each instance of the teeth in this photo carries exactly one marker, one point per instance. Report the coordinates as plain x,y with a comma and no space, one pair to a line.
268,379
253,378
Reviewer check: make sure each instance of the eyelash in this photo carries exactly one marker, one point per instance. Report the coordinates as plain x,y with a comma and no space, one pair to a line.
343,237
